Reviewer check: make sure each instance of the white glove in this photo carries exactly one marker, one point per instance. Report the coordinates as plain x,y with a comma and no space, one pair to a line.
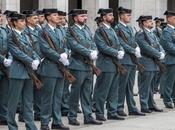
93,55
137,54
63,59
137,49
42,60
120,54
7,62
162,56
35,64
63,55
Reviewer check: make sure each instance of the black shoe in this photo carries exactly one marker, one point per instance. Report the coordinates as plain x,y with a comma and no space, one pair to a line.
3,122
79,110
146,111
93,122
121,113
60,127
18,110
115,117
169,105
136,113
37,118
74,122
44,128
64,113
135,94
156,109
20,118
93,109
100,118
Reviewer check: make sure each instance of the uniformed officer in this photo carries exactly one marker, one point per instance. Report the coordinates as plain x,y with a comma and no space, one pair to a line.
80,41
158,32
51,75
62,26
150,48
32,32
5,63
8,14
168,43
106,87
41,20
20,84
126,82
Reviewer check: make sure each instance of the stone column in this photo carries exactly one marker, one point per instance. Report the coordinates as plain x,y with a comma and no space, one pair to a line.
59,4
10,5
92,6
144,7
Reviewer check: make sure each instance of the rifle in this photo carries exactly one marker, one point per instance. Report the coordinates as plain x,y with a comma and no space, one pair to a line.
95,69
31,39
134,59
30,72
2,67
157,61
121,69
157,32
65,71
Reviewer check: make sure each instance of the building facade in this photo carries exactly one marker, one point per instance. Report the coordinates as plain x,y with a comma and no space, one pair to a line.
145,7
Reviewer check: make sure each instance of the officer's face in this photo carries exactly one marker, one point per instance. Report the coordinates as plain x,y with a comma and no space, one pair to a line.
171,20
158,23
126,18
81,19
148,24
54,18
33,20
109,18
41,18
64,21
1,19
20,24
60,18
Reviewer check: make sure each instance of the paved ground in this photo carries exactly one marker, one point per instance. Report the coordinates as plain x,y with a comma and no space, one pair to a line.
154,121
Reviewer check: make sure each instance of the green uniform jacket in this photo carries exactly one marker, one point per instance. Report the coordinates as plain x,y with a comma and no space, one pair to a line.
168,43
152,49
49,67
18,69
80,50
3,46
129,49
104,62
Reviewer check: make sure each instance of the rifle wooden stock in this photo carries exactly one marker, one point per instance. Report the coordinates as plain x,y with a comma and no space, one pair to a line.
64,70
160,64
95,69
36,80
134,59
120,68
157,61
4,70
31,73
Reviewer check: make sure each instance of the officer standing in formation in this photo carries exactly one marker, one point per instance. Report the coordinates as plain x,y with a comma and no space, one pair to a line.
167,41
107,83
81,52
38,49
126,82
150,49
20,83
5,63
